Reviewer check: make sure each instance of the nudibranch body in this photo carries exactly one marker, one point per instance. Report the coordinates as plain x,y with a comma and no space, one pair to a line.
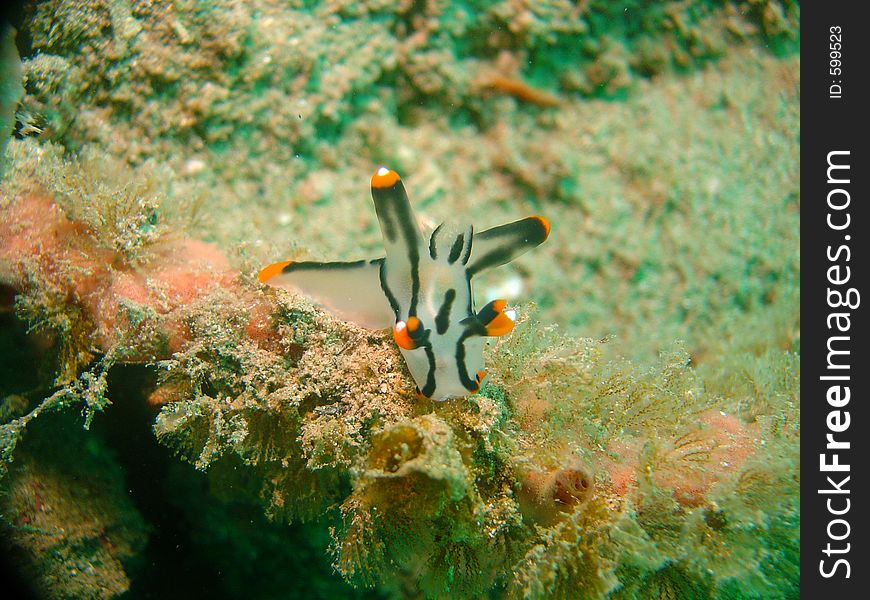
421,289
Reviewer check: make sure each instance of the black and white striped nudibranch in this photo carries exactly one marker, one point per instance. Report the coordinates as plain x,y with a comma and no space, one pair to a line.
421,289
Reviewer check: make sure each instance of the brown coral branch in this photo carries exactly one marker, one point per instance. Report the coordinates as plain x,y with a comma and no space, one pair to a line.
519,89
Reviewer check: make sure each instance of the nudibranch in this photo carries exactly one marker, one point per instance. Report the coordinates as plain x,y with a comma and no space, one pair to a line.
421,289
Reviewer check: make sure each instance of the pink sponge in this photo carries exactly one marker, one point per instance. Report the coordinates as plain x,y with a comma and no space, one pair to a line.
44,252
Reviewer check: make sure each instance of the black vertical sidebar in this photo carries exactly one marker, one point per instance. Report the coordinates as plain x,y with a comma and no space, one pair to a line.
835,421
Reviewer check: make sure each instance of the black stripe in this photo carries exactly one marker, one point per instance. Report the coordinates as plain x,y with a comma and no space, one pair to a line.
470,384
420,336
456,249
468,246
429,389
382,276
386,220
442,319
393,202
526,233
487,314
414,259
322,266
391,205
497,257
410,231
473,326
433,248
470,307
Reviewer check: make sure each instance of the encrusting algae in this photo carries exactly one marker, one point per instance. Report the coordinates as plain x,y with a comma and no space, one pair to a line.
578,468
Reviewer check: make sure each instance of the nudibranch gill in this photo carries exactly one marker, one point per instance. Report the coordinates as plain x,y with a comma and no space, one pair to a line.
421,289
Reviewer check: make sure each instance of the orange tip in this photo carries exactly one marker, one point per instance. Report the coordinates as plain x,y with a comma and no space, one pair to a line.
501,325
544,223
480,376
272,270
384,178
400,335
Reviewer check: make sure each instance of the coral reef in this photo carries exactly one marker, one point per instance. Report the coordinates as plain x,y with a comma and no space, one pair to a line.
166,151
